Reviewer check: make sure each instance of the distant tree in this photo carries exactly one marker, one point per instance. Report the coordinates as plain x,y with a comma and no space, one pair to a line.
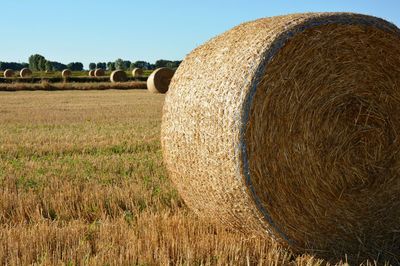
32,62
127,64
78,66
42,64
75,66
122,64
92,66
161,63
37,62
141,64
167,63
57,66
111,66
119,64
12,65
102,65
49,66
177,63
170,65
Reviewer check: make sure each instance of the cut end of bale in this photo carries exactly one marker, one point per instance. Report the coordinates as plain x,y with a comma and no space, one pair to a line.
137,72
99,72
159,80
25,73
288,127
91,73
8,73
118,76
66,73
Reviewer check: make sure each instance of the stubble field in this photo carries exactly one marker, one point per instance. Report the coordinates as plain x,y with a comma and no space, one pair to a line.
82,183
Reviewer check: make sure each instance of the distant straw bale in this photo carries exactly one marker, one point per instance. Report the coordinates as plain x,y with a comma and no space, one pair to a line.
118,76
25,73
289,127
99,72
8,73
66,73
159,80
137,72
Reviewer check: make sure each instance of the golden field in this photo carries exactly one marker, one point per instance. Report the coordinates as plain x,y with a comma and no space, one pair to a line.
82,183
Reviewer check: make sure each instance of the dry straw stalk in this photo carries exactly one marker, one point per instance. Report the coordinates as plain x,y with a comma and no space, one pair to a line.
288,127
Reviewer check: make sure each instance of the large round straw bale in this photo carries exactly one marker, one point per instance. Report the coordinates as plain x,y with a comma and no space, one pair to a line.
99,72
25,73
118,76
289,126
137,72
8,73
91,73
159,80
66,73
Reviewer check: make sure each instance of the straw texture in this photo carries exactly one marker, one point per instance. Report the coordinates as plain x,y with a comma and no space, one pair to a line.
137,72
25,73
8,73
66,73
159,80
288,127
99,72
91,73
118,76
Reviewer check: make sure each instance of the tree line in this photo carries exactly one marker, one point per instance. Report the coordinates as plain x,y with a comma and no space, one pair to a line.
128,65
12,65
38,62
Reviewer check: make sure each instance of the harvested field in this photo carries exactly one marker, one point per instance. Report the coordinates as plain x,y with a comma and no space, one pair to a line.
76,76
46,86
59,79
82,183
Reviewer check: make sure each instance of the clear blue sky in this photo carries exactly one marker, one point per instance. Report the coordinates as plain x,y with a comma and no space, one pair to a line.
98,31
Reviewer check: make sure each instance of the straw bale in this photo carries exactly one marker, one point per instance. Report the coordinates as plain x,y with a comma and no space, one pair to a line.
66,73
8,73
137,72
25,73
288,127
159,80
99,72
118,76
91,73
